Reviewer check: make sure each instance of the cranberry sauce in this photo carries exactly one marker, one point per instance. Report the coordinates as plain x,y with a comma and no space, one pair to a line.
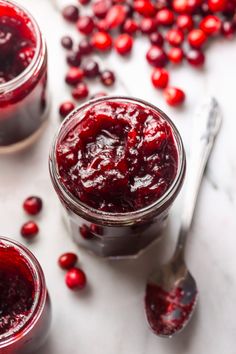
17,289
167,312
118,157
23,75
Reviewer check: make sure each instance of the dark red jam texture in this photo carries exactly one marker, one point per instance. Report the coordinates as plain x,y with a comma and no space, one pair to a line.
167,312
17,42
17,289
118,157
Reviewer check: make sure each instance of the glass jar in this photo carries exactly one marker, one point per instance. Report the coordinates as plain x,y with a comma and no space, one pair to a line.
31,332
115,234
24,99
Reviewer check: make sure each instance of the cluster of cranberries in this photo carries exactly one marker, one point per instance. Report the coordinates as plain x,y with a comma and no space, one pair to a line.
32,206
75,278
178,30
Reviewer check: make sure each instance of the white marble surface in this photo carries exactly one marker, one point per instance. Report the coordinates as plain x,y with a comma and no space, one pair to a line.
108,318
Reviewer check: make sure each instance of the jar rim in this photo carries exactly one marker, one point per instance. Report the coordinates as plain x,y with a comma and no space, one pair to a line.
109,218
26,73
40,294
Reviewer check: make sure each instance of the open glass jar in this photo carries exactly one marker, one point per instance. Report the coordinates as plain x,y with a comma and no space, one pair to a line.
25,310
115,231
23,78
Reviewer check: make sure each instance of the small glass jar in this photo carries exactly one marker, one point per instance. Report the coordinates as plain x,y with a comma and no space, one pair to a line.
116,235
24,99
31,332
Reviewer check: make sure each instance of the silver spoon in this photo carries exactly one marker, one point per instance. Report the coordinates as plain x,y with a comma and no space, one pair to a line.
171,293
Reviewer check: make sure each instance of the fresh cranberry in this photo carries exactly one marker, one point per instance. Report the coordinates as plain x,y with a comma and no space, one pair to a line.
217,5
157,39
185,22
74,76
160,78
156,57
197,38
195,57
144,8
85,25
33,205
174,96
101,41
165,17
85,47
71,13
102,26
67,260
130,26
107,77
91,68
29,230
180,6
124,44
66,108
80,91
84,229
175,55
115,16
101,7
228,29
75,279
210,24
74,58
175,37
67,42
148,25
84,2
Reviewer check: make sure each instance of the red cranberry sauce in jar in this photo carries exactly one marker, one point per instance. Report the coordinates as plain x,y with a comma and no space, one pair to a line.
24,303
119,157
23,75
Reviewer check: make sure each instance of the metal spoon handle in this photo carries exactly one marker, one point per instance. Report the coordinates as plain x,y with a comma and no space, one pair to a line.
208,122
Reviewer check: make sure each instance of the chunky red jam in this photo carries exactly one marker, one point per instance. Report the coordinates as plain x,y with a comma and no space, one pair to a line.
17,290
167,312
17,42
118,156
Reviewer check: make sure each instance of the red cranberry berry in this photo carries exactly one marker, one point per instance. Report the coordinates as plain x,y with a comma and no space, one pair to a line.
80,91
70,13
74,76
33,205
175,37
74,58
144,8
84,229
101,41
165,17
148,25
175,55
91,68
156,57
174,96
101,7
160,78
75,279
196,38
85,25
84,2
130,26
180,6
107,78
85,47
217,5
29,230
67,42
184,22
228,29
115,16
67,260
210,25
66,108
195,57
124,44
157,39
